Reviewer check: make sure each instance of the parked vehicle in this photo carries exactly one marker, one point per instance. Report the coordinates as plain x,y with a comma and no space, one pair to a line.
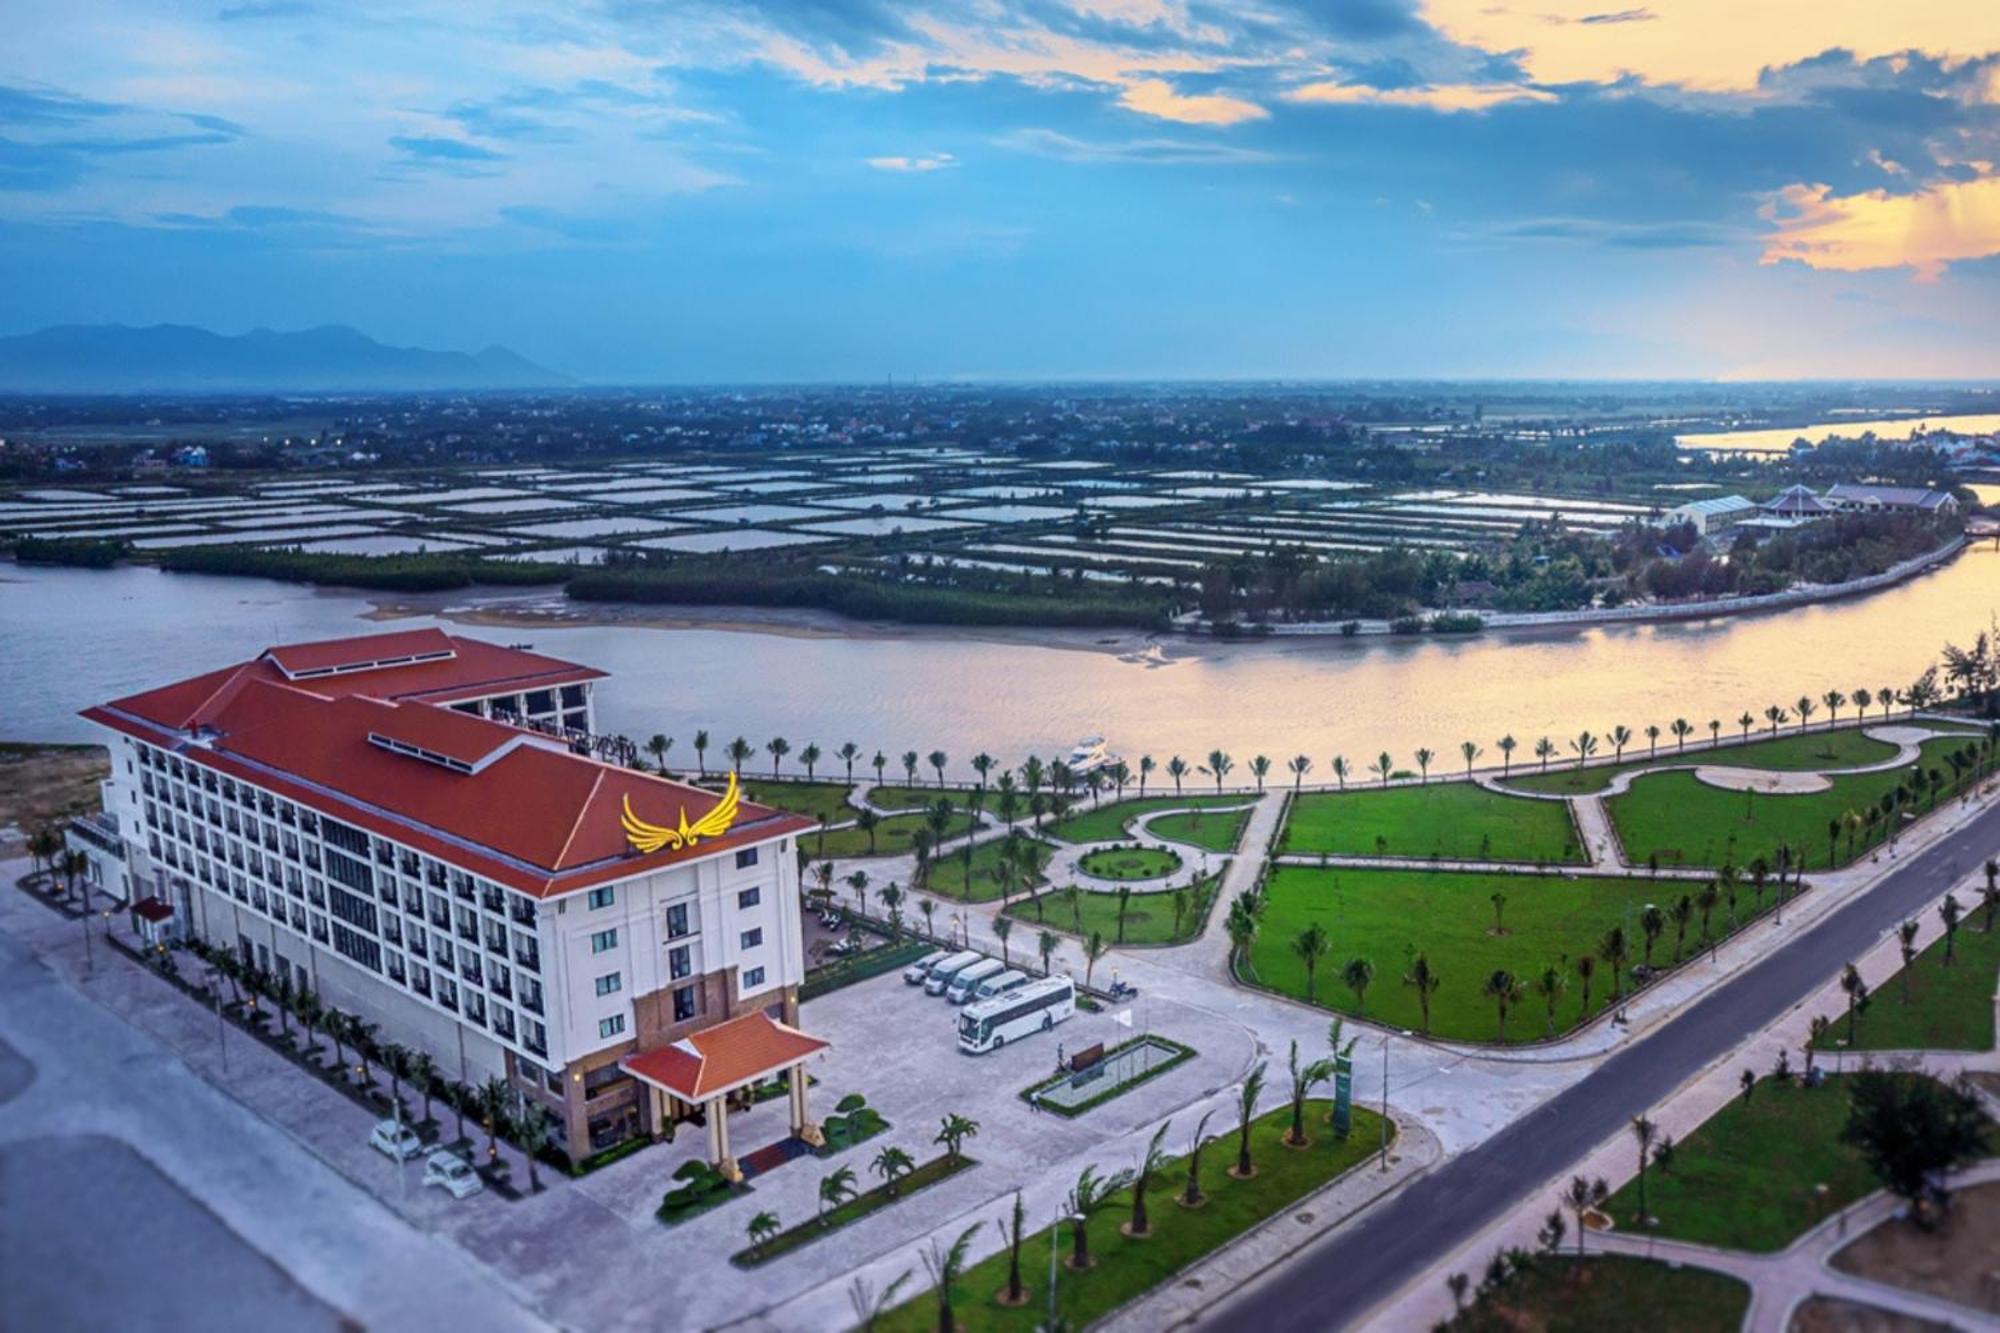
1122,990
1012,979
1035,1007
915,973
942,972
966,983
449,1171
395,1139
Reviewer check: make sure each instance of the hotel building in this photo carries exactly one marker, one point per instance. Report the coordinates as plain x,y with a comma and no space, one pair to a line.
410,824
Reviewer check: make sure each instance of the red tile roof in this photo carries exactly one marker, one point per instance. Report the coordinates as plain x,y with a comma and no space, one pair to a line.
362,651
154,909
533,816
722,1058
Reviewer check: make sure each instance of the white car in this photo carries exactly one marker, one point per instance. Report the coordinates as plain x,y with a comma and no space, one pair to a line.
450,1171
396,1139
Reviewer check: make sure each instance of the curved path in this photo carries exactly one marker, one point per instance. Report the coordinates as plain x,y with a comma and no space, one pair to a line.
1196,862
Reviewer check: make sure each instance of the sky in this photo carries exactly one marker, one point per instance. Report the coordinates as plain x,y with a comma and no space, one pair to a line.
639,191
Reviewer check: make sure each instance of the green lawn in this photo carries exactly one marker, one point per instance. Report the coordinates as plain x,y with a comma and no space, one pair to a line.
1129,863
1683,821
814,800
1149,917
1386,916
918,797
1845,748
1455,820
1950,1008
892,837
1746,1179
1571,1295
1124,1267
948,877
1218,831
1107,822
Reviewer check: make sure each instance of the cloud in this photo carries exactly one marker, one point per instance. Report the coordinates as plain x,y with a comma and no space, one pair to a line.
1157,152
1365,20
1156,97
920,163
1926,231
1621,16
428,148
47,107
1628,236
1445,98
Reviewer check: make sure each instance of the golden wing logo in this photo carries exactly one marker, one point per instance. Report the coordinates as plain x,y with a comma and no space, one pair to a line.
649,838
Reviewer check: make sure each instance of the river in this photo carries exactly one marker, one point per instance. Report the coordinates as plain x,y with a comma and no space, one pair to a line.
1778,440
76,637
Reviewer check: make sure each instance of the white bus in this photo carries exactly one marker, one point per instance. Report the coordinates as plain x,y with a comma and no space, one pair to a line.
967,981
1035,1007
941,973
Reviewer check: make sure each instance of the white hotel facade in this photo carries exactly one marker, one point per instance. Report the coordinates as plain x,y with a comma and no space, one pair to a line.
354,815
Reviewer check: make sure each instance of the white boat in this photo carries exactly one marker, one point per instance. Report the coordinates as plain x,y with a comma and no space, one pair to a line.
1089,755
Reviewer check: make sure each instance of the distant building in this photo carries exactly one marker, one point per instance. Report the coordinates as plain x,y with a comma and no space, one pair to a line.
1712,515
1876,499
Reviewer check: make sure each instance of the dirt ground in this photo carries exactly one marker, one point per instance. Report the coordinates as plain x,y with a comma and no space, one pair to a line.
1822,1314
1958,1262
43,783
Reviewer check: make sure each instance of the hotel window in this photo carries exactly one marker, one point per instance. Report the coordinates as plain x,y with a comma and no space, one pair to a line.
753,978
749,898
677,921
602,898
611,1027
684,1008
604,940
746,858
680,962
750,939
609,983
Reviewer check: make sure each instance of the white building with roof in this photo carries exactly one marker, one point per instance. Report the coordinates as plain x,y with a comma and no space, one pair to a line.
1712,515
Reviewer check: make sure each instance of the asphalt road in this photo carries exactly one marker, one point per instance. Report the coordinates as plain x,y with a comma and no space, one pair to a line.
1334,1282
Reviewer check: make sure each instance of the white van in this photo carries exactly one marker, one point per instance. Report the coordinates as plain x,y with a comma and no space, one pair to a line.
1012,979
941,973
966,983
915,973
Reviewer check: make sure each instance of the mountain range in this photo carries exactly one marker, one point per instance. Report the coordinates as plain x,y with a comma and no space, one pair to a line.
177,358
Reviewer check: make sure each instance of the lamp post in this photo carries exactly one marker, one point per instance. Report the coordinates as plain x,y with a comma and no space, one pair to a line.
214,978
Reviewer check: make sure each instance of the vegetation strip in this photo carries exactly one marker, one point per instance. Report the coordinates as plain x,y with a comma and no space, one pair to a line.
941,1167
1173,1054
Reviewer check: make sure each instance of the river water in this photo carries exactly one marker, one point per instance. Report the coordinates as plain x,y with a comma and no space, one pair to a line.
1778,440
77,637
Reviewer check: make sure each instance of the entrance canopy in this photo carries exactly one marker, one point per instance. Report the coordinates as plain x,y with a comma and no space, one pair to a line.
721,1059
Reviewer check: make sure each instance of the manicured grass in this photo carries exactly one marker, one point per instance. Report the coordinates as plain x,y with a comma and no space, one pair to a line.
1950,1008
1129,863
815,800
1107,822
1215,831
1610,1291
1799,752
918,797
853,1210
1682,821
1747,1179
1455,820
1386,916
893,835
948,877
1149,917
1125,1267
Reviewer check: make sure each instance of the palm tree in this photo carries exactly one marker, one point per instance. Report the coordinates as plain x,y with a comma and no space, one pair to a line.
1192,1195
1652,922
1300,765
1423,979
1093,949
1017,1292
868,821
335,1023
1621,736
910,767
1643,1130
1304,1078
1682,729
1582,1197
1340,770
311,1014
1705,899
1146,766
1776,715
1219,765
1241,923
658,747
1260,767
1124,901
778,747
1086,1200
1383,767
1499,901
1549,984
762,1228
892,903
834,1189
1424,758
423,1077
1471,753
1585,745
810,757
937,759
1682,912
1545,750
43,846
1150,1163
1586,968
396,1059
1177,769
1989,896
892,1164
1246,1105
494,1099
1505,990
1833,699
1046,944
953,1133
536,1122
1863,697
858,881
929,908
1906,935
1949,911
847,754
870,1306
1359,975
1614,949
701,752
738,750
1003,926
1311,945
1805,707
878,763
1652,740
946,1267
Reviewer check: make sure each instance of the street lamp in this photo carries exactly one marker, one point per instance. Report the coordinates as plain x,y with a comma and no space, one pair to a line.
214,978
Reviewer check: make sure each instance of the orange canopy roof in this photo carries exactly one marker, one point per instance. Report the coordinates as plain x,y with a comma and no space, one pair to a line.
723,1058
